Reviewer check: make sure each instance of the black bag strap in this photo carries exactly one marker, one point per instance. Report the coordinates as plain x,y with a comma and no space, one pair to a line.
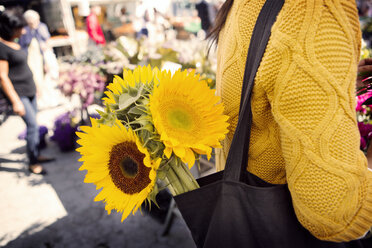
237,158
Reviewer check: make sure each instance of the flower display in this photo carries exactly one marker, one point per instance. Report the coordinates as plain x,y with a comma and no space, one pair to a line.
64,130
365,130
82,79
190,54
153,128
361,107
363,110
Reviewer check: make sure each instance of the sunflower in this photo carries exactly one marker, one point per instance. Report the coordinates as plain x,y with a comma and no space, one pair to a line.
187,115
140,75
117,162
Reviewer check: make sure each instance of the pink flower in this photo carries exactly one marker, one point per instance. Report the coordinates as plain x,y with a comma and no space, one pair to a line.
363,143
364,129
361,99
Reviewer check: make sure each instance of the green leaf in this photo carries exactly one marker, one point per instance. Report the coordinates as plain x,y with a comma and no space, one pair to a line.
144,101
137,110
133,91
142,122
153,146
115,106
100,112
127,99
122,112
145,135
153,194
149,127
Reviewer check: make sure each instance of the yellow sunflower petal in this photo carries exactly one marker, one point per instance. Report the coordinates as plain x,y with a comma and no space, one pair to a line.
100,197
168,152
189,157
179,151
102,149
187,115
92,177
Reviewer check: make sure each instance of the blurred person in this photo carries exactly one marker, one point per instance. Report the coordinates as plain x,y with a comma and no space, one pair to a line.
304,131
34,30
203,9
369,5
94,29
18,85
364,8
124,16
143,16
161,19
41,58
34,43
212,10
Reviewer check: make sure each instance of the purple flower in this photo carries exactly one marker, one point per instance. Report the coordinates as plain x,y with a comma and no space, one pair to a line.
364,129
84,80
363,143
64,132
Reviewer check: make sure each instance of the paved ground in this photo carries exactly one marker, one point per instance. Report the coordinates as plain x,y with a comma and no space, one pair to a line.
58,210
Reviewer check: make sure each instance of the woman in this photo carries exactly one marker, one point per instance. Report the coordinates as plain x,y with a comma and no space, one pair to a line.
41,58
34,30
17,83
304,130
94,29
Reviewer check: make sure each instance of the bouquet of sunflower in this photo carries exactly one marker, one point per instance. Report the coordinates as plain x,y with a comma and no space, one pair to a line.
153,129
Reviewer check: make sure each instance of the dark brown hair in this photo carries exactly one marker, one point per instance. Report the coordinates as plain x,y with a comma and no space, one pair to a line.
10,21
220,21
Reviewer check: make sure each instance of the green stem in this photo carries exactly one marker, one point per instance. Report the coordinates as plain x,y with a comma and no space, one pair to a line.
191,176
174,181
170,186
186,178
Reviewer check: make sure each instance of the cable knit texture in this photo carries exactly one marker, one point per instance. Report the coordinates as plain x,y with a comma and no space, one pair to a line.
304,129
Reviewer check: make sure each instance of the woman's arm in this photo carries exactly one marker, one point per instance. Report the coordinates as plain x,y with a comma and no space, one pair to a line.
8,89
314,105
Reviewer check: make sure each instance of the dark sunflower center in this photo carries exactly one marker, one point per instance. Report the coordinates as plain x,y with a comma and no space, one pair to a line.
127,170
129,167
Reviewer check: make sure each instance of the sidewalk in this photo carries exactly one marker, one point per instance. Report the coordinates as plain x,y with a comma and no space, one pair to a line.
57,210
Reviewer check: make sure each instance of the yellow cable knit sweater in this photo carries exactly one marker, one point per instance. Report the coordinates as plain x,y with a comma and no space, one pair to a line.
304,127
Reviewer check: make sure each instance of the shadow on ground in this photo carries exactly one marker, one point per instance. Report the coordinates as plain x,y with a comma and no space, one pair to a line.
87,223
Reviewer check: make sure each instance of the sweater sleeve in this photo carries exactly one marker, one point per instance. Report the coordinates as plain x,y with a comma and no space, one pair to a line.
314,105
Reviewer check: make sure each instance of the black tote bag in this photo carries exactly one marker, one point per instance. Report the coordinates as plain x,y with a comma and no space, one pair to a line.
234,208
